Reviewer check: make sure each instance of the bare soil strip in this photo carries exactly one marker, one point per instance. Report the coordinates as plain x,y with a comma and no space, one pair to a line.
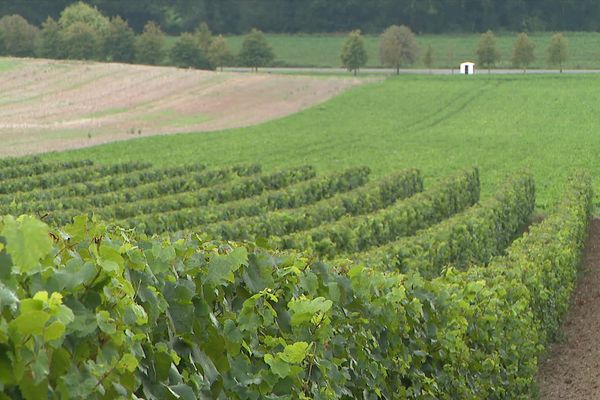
54,105
572,370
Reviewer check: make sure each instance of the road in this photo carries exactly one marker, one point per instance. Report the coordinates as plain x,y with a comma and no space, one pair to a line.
390,71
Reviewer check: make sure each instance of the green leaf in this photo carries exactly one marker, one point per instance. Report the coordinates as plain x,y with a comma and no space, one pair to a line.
32,390
110,260
31,323
278,366
222,267
105,322
211,374
294,353
259,274
183,392
7,297
6,369
78,229
128,363
40,367
54,331
27,241
248,320
76,272
64,315
29,305
303,310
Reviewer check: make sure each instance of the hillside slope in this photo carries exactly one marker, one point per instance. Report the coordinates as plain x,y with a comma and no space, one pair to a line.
54,105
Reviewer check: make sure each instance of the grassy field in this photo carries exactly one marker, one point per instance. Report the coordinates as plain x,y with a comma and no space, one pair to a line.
8,64
324,50
435,123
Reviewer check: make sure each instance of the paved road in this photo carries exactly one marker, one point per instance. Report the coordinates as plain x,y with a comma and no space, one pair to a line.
388,71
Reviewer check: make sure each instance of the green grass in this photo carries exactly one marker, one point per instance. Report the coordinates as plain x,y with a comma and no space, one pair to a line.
324,50
436,123
6,64
107,112
170,117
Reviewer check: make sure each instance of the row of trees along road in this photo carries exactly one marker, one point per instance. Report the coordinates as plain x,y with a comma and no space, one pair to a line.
84,33
398,48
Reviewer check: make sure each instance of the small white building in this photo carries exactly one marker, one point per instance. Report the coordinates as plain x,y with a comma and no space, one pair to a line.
467,68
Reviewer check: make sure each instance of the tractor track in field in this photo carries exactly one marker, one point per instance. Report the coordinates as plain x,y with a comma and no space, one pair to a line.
572,368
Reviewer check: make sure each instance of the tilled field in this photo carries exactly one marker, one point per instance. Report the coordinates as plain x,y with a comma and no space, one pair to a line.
55,105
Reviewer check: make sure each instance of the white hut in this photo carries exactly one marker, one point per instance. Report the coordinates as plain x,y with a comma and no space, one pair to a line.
467,68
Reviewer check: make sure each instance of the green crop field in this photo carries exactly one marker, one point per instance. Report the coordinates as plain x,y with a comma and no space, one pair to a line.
448,49
435,123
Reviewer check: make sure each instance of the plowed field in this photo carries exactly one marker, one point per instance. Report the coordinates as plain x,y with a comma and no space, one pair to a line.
55,105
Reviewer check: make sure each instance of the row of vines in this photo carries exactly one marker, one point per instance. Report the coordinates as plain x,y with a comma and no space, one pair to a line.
277,285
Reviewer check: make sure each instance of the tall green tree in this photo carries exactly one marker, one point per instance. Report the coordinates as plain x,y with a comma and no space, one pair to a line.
81,42
558,50
523,50
354,55
119,41
256,51
204,36
49,42
80,21
428,57
398,47
150,45
187,53
219,53
487,51
18,36
84,13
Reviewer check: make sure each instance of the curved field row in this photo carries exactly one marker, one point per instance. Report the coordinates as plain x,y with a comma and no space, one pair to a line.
195,191
353,234
172,314
338,215
162,185
293,196
471,237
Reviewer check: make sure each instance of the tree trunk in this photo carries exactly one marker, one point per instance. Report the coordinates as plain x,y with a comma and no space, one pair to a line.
397,70
355,71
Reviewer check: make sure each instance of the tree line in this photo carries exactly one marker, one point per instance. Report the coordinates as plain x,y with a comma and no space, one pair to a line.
82,32
398,48
372,16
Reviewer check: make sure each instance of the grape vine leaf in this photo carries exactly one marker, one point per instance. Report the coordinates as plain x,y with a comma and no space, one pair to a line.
222,267
27,241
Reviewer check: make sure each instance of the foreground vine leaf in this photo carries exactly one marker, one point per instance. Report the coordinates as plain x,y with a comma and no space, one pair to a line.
27,241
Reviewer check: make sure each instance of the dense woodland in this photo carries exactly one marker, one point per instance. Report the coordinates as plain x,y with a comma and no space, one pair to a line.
292,16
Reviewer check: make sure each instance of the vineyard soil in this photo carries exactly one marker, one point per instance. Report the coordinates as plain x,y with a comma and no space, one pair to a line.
572,369
56,105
